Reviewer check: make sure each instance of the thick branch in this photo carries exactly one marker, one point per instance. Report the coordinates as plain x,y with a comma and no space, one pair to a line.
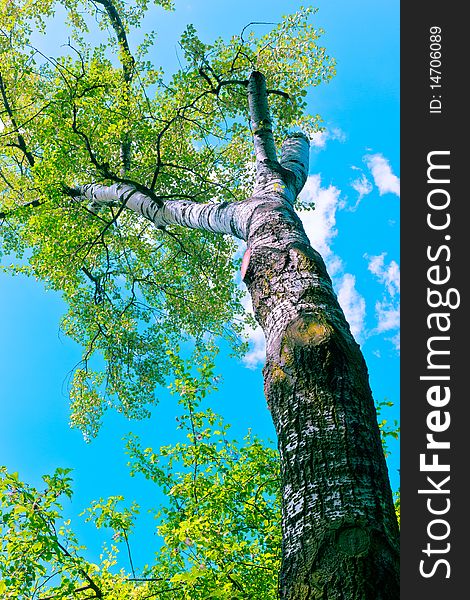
227,218
273,178
261,123
295,158
275,182
33,204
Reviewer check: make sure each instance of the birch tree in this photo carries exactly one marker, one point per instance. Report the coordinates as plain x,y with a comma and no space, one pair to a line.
130,190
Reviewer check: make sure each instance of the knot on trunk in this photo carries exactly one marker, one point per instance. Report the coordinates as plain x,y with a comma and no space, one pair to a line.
344,552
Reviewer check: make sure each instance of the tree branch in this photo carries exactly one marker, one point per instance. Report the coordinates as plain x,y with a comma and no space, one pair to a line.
9,110
282,180
32,204
128,66
278,93
180,113
129,553
228,218
295,158
53,532
102,167
126,58
261,123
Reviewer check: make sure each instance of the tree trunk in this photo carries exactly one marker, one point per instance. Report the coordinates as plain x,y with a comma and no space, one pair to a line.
340,534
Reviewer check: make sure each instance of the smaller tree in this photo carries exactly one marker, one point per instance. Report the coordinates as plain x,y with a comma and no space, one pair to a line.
220,528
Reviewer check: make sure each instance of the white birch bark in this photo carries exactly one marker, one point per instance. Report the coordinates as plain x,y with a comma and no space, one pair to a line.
276,183
230,219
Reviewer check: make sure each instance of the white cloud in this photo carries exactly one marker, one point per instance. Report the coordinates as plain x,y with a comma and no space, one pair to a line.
256,355
388,316
382,173
320,227
387,309
395,341
363,187
388,275
353,304
319,224
337,134
319,139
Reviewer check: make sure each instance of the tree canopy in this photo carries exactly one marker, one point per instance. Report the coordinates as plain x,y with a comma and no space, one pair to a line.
103,113
84,136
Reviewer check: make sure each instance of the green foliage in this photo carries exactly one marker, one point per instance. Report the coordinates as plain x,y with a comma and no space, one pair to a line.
397,506
219,528
134,292
104,513
147,305
386,430
38,548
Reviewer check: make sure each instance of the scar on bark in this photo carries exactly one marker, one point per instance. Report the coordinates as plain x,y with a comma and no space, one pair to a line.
245,262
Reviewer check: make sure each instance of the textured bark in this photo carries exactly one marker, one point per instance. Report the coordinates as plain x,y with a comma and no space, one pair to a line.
340,534
230,219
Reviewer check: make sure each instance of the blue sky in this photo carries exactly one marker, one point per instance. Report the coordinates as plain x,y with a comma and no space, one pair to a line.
354,180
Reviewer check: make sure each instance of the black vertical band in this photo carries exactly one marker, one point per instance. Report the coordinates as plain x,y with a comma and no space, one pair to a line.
435,358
